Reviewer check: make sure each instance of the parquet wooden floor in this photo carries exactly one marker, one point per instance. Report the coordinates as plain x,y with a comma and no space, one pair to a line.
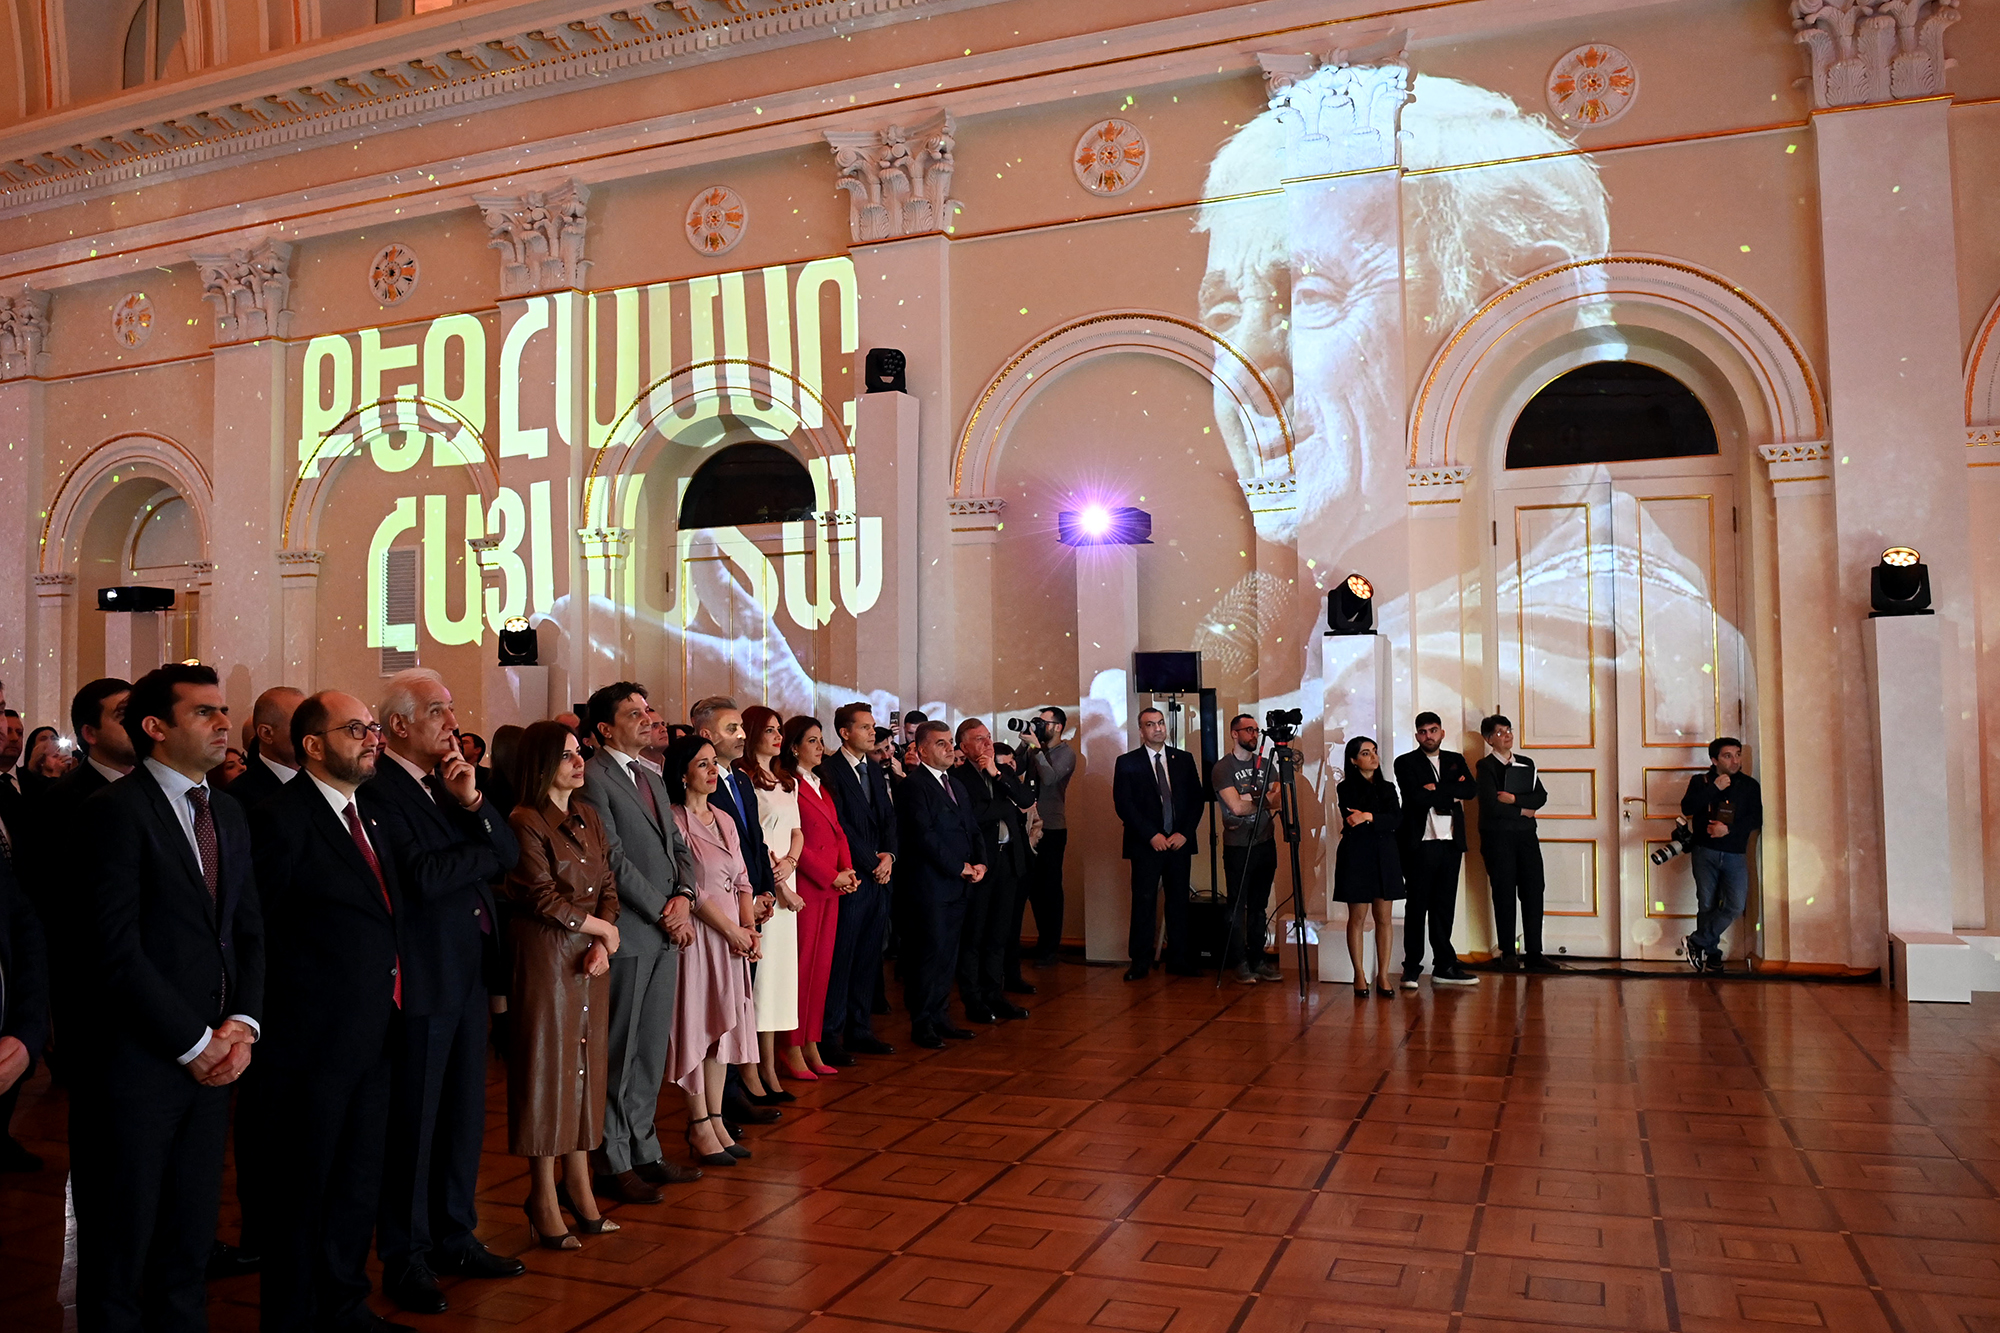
1567,1152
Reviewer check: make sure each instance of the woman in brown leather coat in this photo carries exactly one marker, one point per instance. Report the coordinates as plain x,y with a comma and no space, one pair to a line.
565,901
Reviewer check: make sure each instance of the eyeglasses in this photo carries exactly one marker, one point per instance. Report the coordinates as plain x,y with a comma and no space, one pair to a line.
359,731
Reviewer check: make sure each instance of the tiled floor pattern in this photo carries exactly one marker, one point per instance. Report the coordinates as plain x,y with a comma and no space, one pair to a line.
1540,1153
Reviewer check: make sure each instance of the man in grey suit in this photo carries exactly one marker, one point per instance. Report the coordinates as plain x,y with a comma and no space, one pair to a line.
655,873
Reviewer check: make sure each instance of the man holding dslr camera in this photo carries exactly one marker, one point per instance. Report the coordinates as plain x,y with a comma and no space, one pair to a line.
1249,850
1052,765
1723,807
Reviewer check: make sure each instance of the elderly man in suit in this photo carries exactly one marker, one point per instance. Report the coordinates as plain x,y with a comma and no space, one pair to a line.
175,950
1156,790
655,871
943,858
861,798
448,844
317,1104
271,761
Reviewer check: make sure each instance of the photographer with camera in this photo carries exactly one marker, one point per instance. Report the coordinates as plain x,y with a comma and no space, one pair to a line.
1723,807
1052,764
1156,790
1249,849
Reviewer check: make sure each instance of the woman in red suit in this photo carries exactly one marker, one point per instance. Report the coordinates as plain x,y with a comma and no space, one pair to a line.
825,872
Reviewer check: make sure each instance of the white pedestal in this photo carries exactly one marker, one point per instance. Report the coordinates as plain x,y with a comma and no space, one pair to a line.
132,642
1107,634
515,696
1906,686
1931,967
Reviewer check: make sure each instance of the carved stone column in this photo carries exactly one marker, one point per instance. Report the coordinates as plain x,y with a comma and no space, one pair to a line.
298,576
251,290
886,465
24,330
54,675
898,178
605,652
540,236
1866,51
22,426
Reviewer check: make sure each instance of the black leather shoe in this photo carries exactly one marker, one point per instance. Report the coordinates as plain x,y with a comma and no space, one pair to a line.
226,1260
835,1054
667,1173
367,1321
416,1290
980,1015
1541,963
927,1039
1020,986
1006,1010
870,1046
1137,972
475,1260
955,1033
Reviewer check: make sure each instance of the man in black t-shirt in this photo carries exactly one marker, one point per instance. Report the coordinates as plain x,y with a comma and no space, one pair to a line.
1248,866
1724,806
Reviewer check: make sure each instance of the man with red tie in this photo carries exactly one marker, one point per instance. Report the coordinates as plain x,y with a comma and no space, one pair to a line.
317,1102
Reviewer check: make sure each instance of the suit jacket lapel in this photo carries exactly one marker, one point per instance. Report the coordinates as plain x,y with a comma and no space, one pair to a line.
331,828
177,838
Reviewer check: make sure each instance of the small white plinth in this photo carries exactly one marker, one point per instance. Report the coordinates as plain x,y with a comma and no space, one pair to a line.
1930,967
1333,960
515,696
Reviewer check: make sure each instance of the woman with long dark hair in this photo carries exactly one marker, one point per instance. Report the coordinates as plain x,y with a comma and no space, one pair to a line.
1367,871
776,986
563,932
714,1024
826,871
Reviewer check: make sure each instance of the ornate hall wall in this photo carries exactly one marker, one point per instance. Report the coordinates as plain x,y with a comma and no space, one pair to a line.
367,336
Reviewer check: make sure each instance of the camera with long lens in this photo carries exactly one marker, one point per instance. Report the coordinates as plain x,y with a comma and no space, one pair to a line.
1038,727
1679,841
1282,724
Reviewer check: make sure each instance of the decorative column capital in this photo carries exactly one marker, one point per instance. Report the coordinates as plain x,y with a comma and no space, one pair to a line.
1867,51
605,543
251,291
1799,468
1341,117
24,332
1438,485
300,564
898,179
54,585
1271,495
540,237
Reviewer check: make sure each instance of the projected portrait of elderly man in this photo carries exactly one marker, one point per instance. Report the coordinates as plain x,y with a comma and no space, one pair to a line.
1312,294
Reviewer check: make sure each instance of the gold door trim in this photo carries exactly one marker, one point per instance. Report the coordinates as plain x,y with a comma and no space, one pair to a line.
1589,622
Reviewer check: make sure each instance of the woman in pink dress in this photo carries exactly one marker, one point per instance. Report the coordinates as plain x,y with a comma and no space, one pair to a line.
714,1024
825,872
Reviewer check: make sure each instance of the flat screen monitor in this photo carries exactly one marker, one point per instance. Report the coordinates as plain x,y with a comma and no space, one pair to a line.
1166,673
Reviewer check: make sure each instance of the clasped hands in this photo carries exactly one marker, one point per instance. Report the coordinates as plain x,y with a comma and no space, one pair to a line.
226,1056
676,922
1169,842
604,943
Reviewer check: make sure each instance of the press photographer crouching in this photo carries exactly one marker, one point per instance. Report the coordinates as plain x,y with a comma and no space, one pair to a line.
1723,807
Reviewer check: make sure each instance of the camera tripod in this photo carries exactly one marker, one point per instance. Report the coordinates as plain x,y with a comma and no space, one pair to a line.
1283,771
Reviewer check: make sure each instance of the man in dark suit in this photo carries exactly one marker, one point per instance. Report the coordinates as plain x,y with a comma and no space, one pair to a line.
1510,791
1156,790
1434,784
317,1104
448,844
270,762
993,906
868,815
942,858
655,871
718,721
46,854
24,987
175,953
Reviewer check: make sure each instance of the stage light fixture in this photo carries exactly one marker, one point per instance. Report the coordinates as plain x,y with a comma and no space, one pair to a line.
1900,585
1096,524
518,645
1350,607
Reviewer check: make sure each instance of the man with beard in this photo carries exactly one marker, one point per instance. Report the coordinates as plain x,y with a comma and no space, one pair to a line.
317,1104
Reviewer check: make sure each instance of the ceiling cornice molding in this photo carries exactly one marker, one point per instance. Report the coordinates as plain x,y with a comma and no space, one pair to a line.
1162,51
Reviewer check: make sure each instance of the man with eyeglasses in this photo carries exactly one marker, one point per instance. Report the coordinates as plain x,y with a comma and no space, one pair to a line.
448,844
317,1103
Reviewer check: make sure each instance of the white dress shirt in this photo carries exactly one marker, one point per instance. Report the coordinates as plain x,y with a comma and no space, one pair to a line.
422,775
282,772
177,785
1437,827
339,801
106,771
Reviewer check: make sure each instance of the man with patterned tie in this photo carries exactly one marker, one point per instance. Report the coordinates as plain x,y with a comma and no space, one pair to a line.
175,945
448,844
1156,790
656,876
317,1104
943,858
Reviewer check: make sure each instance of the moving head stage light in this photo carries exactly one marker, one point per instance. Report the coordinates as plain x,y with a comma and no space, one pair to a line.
518,644
1350,607
1900,585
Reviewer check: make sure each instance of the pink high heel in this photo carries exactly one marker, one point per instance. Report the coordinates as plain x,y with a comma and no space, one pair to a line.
828,1070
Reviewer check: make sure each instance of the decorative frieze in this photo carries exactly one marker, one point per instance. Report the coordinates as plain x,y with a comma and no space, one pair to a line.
1864,51
251,291
898,179
24,331
1438,485
1800,468
969,508
456,81
1271,495
539,236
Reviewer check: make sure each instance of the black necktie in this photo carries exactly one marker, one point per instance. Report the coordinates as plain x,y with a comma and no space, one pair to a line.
1166,793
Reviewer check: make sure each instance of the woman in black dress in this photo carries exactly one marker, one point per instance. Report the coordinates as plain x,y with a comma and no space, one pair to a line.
1366,868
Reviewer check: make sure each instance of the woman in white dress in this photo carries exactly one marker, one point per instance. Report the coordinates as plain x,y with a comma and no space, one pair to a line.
777,980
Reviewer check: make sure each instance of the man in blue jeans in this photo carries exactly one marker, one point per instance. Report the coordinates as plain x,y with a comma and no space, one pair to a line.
1723,806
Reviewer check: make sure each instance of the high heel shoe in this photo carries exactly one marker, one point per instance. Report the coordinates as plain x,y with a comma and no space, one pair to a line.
589,1226
563,1242
771,1098
1360,992
803,1074
1383,992
707,1159
827,1070
737,1150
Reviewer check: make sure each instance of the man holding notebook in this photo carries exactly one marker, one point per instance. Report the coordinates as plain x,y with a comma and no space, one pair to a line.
1510,791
